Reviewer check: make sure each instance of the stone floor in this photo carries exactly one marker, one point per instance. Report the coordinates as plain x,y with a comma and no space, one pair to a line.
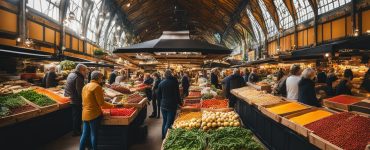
153,141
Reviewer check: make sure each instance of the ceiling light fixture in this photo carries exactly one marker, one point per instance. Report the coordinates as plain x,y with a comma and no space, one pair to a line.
128,5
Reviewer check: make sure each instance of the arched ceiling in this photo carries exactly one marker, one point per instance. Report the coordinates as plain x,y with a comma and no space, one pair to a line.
203,18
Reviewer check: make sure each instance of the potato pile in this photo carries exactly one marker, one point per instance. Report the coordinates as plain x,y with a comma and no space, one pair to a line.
188,120
212,120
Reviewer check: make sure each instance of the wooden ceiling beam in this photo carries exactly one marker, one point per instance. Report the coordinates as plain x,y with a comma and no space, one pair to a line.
235,17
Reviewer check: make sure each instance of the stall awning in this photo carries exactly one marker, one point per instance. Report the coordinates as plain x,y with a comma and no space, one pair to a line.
92,64
21,52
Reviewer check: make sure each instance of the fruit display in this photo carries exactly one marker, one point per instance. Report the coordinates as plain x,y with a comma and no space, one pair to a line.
287,108
134,98
344,99
181,139
345,130
213,120
188,120
52,95
120,89
13,104
310,117
232,138
38,99
214,103
124,112
194,94
9,87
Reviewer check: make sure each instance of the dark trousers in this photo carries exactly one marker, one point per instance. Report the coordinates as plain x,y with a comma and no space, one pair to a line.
156,106
76,117
232,101
168,119
185,91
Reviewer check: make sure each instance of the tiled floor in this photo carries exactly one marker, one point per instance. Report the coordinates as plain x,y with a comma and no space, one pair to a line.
153,141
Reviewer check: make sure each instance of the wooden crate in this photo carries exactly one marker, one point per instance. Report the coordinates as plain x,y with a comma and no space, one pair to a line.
277,117
296,127
259,87
7,120
322,143
20,116
44,109
141,104
338,106
119,120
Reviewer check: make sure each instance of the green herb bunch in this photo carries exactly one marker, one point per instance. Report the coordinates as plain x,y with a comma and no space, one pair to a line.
36,98
181,139
9,102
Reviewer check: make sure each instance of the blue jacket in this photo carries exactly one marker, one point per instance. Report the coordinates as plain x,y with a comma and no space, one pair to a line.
169,94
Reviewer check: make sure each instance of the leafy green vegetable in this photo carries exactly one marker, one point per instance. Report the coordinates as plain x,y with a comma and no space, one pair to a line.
9,102
67,65
207,96
232,138
181,139
36,98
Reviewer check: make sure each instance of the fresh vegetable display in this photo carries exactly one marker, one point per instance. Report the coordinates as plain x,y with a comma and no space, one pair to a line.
287,108
345,130
213,120
125,112
258,97
188,120
310,117
181,139
52,95
232,138
215,103
134,98
344,99
12,104
194,94
36,98
67,65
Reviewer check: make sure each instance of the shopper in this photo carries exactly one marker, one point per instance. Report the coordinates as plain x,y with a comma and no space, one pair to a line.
331,78
345,86
246,75
112,77
366,82
232,82
306,88
169,95
120,78
92,101
51,78
148,81
214,78
281,86
292,82
253,77
185,83
280,74
321,76
73,89
156,103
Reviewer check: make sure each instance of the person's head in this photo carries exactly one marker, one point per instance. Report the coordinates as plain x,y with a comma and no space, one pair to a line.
236,71
156,75
308,73
168,73
97,76
81,68
295,70
52,68
254,70
348,74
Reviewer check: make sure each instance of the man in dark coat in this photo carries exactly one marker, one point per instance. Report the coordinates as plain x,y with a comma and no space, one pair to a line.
306,88
253,77
214,78
232,82
169,95
73,89
112,77
51,79
321,76
185,83
148,91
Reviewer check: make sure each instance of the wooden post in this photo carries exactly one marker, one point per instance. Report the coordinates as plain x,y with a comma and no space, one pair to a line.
22,20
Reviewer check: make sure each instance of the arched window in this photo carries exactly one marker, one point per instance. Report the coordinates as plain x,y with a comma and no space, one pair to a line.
304,10
105,20
270,25
257,30
47,7
123,39
74,16
112,37
328,5
92,28
285,19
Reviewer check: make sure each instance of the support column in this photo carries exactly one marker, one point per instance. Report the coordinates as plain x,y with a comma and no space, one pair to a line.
353,15
22,21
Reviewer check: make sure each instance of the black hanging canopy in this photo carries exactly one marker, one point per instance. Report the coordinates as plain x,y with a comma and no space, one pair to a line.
174,42
21,52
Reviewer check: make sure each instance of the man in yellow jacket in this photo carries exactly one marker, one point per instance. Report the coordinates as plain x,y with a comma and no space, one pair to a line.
92,101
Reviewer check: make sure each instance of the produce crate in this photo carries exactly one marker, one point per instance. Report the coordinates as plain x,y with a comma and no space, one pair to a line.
339,106
296,127
191,100
111,92
362,107
44,109
277,117
260,87
119,120
141,104
51,94
322,143
218,110
7,120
